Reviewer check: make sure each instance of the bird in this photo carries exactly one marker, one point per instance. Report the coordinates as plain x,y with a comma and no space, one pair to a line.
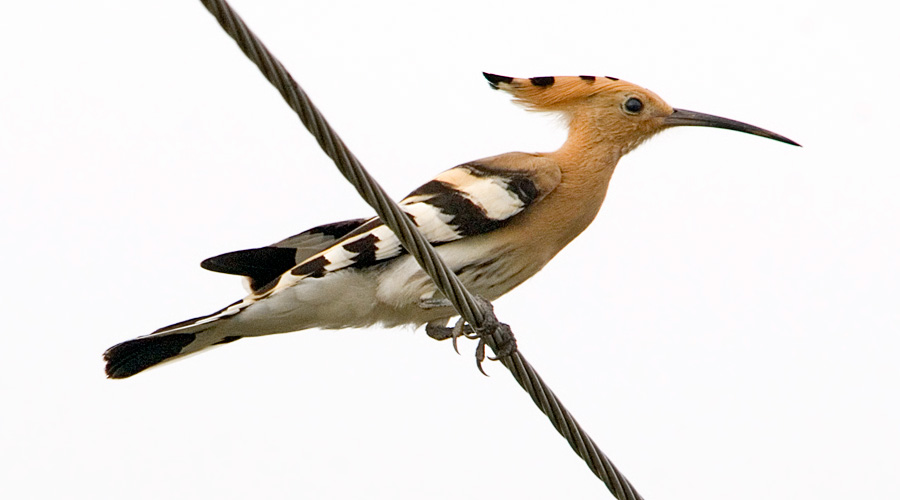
495,221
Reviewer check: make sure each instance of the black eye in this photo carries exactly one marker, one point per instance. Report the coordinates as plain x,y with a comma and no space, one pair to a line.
633,105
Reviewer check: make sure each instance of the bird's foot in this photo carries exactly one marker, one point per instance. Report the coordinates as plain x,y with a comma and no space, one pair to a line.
439,331
500,333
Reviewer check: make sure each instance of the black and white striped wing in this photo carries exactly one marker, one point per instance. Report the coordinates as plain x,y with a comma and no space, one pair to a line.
467,200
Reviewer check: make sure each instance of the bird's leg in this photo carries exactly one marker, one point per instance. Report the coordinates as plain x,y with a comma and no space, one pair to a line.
434,303
438,329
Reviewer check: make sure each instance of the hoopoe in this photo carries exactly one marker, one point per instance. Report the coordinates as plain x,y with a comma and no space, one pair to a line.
495,221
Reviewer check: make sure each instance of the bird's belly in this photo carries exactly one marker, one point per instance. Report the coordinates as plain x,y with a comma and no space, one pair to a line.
489,272
343,299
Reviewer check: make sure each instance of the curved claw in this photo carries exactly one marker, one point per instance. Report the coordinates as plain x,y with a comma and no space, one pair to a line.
479,356
456,332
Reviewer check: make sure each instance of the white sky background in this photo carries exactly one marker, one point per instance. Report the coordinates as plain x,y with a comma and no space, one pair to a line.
727,328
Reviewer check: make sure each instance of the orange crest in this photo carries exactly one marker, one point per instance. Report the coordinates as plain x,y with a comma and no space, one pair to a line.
554,93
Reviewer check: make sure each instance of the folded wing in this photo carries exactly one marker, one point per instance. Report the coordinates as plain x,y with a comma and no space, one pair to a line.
262,265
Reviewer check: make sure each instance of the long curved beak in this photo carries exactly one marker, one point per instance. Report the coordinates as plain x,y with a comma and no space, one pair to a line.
683,117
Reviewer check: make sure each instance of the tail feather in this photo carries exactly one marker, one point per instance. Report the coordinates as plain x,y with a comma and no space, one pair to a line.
134,356
174,341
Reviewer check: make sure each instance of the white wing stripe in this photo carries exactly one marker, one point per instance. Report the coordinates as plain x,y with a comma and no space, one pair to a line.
433,223
490,193
388,245
494,197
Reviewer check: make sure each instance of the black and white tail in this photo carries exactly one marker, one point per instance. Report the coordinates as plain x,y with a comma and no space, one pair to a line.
169,343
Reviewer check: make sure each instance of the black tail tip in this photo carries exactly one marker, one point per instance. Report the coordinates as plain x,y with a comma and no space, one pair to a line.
496,80
134,356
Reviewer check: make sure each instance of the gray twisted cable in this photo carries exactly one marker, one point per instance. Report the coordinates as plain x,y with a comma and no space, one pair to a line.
464,302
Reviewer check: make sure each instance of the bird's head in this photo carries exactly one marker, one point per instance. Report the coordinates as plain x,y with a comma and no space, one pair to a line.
611,111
